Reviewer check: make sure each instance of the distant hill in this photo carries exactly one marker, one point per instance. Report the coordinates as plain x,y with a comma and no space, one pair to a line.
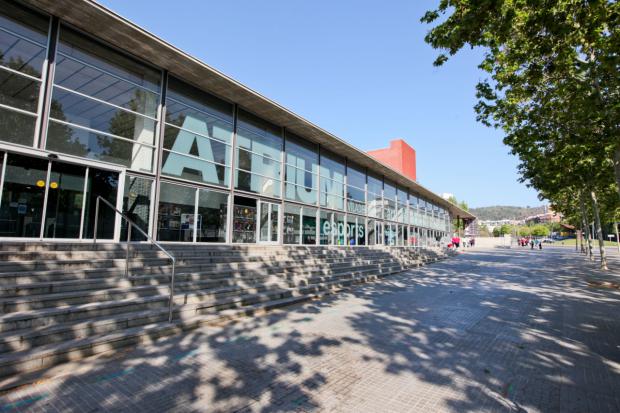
496,213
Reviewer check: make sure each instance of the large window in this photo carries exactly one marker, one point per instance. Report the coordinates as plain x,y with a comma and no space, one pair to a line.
23,48
104,104
375,196
327,222
211,216
187,213
422,218
21,209
401,197
332,181
137,205
198,135
302,168
389,201
258,156
292,224
356,190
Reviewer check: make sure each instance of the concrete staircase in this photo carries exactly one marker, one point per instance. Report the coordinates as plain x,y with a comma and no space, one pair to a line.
63,302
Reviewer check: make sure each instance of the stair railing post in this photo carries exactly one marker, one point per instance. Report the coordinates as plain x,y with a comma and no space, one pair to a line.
171,302
127,252
96,220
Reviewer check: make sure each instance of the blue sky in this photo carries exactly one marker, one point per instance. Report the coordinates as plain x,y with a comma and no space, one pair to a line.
359,69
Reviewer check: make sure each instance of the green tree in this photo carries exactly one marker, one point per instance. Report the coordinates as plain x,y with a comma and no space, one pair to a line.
553,88
540,231
505,229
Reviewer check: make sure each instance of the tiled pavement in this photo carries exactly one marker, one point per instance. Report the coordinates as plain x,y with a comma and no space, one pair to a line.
495,330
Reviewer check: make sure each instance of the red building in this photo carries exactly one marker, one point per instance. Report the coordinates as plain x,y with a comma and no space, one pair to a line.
400,156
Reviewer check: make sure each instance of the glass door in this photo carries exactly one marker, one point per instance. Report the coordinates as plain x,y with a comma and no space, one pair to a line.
42,198
23,194
268,222
65,201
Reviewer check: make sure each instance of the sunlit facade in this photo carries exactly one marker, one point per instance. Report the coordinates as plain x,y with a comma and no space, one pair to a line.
80,118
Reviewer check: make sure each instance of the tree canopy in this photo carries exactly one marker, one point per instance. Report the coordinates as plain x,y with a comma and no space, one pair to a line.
552,88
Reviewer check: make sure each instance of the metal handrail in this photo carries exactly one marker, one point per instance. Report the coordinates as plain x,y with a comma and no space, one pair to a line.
148,237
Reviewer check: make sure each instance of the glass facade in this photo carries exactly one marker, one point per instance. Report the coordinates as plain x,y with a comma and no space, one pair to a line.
302,170
23,52
258,156
332,181
104,104
183,164
197,135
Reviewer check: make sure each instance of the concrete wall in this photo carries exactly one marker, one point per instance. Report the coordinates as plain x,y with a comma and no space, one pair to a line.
399,156
488,242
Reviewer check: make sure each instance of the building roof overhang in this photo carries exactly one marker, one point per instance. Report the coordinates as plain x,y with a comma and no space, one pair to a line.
103,23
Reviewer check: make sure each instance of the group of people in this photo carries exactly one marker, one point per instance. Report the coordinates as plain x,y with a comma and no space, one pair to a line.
456,242
533,243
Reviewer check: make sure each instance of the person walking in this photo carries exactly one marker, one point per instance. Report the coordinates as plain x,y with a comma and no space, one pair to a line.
531,243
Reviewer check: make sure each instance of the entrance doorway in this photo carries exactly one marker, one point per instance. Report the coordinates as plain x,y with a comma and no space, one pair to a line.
255,221
268,222
48,199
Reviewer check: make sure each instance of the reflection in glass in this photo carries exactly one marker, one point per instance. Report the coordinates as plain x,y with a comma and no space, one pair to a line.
361,231
17,127
198,145
115,107
197,111
247,181
351,230
292,224
194,169
64,202
23,39
104,184
212,213
264,221
258,156
326,223
81,142
302,167
176,213
137,206
89,67
371,232
92,114
298,193
339,230
21,209
274,220
309,226
332,181
19,91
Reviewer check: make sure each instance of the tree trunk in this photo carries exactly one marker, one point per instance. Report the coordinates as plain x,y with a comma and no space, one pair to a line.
617,239
599,231
576,241
617,167
586,226
582,247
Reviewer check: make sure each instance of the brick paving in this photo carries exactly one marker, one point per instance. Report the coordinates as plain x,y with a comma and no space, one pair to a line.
490,330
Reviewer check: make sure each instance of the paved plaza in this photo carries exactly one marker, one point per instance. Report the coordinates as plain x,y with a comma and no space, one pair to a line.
489,330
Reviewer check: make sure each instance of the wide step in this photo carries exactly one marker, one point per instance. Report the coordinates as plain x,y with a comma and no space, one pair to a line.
67,302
